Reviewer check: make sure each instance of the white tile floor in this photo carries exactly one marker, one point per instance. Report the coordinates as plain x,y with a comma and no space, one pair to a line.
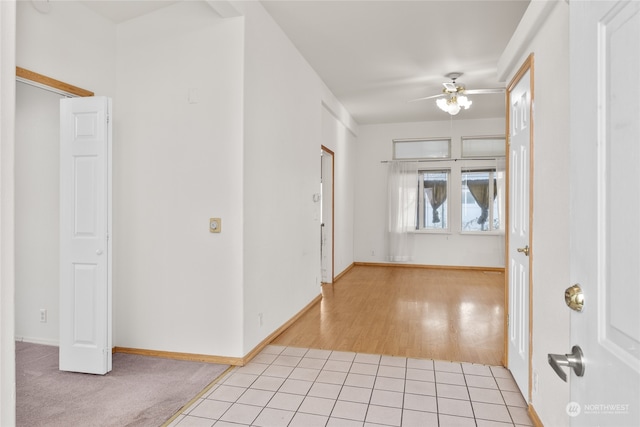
288,386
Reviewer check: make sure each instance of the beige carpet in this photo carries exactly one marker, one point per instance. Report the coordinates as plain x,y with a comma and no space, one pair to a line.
139,391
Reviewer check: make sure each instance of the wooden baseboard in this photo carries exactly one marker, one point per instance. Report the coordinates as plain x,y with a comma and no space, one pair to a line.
434,267
345,271
223,360
192,357
335,279
534,417
265,342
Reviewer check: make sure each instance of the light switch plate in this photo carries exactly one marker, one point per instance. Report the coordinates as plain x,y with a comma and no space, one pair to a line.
215,225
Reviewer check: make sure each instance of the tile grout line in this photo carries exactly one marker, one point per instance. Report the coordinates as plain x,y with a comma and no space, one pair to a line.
343,383
503,399
466,384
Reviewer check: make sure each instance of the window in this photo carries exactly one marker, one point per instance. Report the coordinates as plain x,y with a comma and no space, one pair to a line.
455,186
483,147
479,200
433,210
421,149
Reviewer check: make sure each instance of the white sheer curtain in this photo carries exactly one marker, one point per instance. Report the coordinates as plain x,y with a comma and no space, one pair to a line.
402,184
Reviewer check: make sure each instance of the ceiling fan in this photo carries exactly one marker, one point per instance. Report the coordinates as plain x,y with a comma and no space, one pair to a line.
454,96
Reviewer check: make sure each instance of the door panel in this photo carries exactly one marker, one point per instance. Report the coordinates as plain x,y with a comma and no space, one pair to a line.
605,205
85,171
85,223
519,229
86,288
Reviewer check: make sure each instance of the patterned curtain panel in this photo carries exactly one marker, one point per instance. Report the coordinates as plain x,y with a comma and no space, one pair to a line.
479,189
437,193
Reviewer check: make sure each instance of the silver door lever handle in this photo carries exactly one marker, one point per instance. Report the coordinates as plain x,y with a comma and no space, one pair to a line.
573,360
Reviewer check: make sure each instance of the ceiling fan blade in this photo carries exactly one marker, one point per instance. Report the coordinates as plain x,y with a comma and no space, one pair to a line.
428,97
483,91
450,87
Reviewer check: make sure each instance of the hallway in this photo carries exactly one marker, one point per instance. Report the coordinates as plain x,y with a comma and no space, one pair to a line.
441,314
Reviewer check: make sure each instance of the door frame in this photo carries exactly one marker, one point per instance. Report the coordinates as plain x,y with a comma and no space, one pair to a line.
48,83
333,193
527,65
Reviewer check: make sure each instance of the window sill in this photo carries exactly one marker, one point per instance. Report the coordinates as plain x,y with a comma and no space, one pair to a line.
461,233
482,233
443,232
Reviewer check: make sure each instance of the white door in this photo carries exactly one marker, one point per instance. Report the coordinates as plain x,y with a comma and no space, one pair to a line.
605,211
326,228
85,246
519,96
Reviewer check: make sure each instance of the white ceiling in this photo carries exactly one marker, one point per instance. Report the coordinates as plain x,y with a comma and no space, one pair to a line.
375,56
123,10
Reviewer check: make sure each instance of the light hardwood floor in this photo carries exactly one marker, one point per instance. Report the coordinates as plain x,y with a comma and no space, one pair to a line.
440,314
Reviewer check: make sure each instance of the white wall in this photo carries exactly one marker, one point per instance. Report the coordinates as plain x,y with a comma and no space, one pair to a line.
550,245
72,44
283,135
178,287
37,213
374,146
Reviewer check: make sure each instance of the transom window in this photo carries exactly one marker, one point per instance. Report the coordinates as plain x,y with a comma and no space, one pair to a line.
432,148
485,146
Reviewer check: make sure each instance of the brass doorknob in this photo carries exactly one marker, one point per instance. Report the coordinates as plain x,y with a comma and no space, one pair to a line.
524,250
574,297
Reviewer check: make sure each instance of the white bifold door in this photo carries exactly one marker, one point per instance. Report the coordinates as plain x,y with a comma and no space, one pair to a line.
85,243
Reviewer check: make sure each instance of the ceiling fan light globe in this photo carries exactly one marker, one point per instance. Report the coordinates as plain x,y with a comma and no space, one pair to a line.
464,102
443,104
454,109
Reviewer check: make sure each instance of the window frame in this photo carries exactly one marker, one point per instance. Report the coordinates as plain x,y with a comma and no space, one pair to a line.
455,164
424,203
494,191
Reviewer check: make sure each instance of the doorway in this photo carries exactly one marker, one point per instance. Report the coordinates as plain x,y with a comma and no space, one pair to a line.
40,199
37,207
326,214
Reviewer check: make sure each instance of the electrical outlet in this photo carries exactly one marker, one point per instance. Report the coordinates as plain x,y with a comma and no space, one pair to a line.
43,315
260,321
535,381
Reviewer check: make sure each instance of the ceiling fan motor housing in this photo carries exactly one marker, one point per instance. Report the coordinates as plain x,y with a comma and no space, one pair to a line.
453,76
